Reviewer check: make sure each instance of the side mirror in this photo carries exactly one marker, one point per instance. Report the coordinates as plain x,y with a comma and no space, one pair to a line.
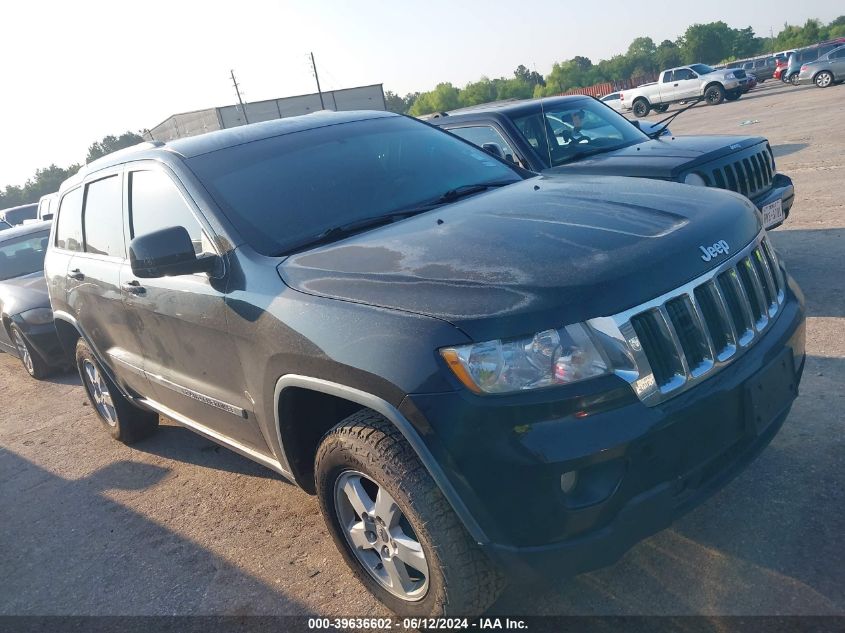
167,252
494,149
636,124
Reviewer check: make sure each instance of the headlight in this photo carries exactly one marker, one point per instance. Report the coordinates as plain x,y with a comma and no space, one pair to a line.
38,316
695,179
730,76
551,357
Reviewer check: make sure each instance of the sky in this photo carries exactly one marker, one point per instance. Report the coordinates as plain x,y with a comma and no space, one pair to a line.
74,72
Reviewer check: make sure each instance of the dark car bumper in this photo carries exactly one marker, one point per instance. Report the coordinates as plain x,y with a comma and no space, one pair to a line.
783,190
44,340
639,467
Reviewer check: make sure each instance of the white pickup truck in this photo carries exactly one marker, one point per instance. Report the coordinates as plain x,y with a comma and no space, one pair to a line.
685,83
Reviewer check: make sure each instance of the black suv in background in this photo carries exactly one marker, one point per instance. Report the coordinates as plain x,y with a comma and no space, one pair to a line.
482,374
579,135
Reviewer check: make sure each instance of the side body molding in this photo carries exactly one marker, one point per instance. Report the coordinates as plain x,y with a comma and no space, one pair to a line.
391,413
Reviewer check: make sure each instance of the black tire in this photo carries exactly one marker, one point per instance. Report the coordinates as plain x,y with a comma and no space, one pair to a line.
461,580
30,358
733,96
824,79
124,421
793,79
714,95
640,108
661,108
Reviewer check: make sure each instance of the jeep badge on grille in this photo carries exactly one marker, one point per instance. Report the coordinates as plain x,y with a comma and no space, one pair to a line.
710,252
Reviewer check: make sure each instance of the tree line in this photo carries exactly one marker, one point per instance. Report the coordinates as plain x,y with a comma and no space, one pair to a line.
714,43
47,179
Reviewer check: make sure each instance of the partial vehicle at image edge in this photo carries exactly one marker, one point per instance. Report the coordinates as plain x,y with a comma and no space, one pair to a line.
408,341
26,320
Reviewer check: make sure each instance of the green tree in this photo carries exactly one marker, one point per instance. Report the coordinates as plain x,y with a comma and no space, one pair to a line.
397,104
109,144
711,42
444,97
668,55
46,180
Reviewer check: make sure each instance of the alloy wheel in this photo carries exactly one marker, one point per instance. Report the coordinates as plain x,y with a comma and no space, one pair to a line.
23,350
97,387
380,536
823,80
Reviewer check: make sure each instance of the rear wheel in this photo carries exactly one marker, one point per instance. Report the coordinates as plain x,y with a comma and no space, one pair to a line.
393,526
661,108
32,361
793,79
124,421
641,108
733,96
823,79
714,95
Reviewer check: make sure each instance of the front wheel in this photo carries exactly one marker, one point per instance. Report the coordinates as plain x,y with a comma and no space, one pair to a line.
733,96
641,108
123,420
394,527
661,108
714,95
823,79
32,361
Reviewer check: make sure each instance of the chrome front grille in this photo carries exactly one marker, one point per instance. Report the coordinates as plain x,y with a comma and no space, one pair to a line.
749,175
686,335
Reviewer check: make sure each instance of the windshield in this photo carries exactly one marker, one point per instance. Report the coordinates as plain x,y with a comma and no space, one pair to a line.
23,255
702,69
575,128
281,192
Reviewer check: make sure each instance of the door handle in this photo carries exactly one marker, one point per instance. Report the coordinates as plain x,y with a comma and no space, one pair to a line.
676,85
133,288
76,274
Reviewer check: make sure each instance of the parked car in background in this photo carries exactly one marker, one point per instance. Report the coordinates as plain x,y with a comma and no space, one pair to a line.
26,320
474,368
752,82
47,206
826,70
544,138
614,101
685,83
762,67
809,54
4,225
16,215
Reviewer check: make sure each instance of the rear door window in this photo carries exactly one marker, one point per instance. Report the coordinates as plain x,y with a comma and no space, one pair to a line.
69,224
103,217
480,134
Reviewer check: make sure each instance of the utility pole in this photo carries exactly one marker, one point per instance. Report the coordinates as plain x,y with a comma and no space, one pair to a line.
772,37
238,92
317,77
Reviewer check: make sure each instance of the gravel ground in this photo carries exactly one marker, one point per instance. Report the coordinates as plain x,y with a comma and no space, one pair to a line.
177,525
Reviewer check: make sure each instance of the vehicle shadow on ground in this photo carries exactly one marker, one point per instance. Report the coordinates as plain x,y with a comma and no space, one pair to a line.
815,259
180,444
64,377
767,544
76,551
785,149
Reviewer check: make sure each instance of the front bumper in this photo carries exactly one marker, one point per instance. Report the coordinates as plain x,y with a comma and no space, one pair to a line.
782,189
639,467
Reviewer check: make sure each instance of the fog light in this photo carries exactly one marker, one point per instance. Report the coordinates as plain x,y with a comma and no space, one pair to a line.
568,481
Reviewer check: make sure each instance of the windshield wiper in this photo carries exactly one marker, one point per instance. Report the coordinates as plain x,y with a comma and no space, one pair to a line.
658,131
468,190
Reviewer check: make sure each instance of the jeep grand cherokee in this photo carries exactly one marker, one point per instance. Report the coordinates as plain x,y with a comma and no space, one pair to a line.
481,373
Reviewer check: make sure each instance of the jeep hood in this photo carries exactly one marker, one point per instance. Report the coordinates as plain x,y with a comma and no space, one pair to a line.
665,158
540,253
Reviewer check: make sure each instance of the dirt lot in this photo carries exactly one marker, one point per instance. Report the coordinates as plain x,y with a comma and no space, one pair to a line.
177,525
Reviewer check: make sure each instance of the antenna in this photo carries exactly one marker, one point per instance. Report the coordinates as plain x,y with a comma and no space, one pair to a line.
238,92
317,77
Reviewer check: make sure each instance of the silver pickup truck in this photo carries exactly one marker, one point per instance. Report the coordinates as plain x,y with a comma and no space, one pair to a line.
685,83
